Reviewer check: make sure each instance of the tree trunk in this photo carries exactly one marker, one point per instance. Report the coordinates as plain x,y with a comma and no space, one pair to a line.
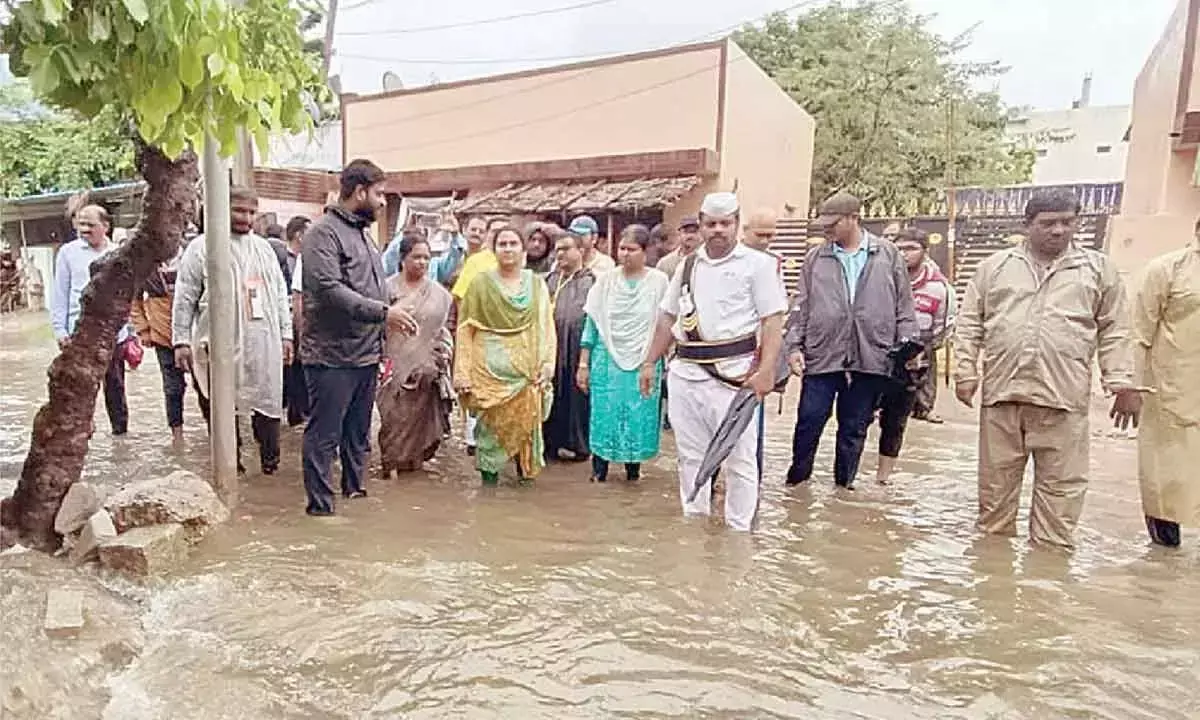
63,426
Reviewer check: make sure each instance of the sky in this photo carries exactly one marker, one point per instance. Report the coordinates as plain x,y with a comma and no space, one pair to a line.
1049,45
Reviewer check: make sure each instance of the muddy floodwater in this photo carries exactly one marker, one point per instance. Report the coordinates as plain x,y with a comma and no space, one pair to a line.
434,598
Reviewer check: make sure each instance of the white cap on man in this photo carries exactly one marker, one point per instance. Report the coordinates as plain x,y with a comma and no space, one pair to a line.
719,204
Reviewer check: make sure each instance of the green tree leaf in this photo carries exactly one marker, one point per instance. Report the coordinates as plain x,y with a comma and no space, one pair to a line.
137,10
191,66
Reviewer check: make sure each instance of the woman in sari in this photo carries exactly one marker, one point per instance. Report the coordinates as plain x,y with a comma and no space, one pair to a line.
414,396
622,310
505,361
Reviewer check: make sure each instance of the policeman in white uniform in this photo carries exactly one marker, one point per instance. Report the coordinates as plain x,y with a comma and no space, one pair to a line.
724,310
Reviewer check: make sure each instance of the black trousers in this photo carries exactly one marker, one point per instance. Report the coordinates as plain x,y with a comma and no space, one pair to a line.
295,392
895,407
264,429
114,393
339,423
855,395
173,384
633,471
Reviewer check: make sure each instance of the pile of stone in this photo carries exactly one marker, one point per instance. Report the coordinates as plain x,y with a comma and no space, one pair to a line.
144,528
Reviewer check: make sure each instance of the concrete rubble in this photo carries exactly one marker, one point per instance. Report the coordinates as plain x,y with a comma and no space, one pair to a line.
182,498
145,551
81,502
98,528
64,613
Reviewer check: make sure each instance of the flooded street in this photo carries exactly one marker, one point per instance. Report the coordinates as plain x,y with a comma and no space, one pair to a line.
434,598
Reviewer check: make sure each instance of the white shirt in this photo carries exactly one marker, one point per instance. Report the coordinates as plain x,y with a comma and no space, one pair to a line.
298,275
732,296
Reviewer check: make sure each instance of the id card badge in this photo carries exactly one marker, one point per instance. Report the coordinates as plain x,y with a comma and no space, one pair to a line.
257,311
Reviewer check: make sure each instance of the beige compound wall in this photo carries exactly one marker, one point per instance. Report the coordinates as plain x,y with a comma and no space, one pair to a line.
663,102
1160,203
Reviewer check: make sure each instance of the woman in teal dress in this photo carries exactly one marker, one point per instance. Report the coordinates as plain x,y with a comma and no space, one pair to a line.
622,309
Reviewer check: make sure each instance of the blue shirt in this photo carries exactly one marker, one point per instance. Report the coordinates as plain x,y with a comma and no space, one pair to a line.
853,264
71,275
441,268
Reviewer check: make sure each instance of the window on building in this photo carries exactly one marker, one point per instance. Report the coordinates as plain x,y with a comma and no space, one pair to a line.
1103,149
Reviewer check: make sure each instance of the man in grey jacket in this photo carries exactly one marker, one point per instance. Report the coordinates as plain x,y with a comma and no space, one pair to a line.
853,305
346,309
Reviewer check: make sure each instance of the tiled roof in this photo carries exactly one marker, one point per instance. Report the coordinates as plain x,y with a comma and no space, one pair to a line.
580,196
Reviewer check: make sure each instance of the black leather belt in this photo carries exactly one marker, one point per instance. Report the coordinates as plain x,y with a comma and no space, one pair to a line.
712,352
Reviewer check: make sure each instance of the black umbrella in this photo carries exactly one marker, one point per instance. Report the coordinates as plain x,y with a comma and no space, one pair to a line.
741,412
737,418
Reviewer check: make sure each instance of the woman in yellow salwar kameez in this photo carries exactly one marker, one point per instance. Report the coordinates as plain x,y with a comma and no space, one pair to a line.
505,361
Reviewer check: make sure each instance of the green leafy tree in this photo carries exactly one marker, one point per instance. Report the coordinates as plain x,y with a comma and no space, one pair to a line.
43,151
897,113
175,71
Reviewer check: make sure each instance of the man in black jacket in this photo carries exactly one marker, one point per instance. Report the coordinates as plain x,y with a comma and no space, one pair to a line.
345,312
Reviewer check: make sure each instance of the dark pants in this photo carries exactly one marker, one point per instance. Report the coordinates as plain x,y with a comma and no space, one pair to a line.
633,471
856,395
926,387
1163,532
339,420
264,429
295,393
114,392
895,406
173,384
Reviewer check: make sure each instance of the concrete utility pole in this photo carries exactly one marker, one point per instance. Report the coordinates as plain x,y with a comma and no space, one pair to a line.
222,304
330,21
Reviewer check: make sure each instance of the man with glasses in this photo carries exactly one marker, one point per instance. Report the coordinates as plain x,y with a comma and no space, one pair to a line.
853,305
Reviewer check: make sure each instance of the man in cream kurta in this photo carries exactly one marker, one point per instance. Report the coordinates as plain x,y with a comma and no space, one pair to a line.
262,325
736,296
1166,330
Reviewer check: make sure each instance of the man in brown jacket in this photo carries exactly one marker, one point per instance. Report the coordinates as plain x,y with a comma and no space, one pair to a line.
151,315
1033,319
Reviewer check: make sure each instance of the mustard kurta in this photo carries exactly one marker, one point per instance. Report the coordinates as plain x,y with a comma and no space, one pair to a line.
1166,325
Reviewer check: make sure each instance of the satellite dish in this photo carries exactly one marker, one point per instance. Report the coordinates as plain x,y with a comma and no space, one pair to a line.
392,81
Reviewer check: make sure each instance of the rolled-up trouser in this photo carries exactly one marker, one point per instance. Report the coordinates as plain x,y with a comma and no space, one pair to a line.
926,394
174,385
856,396
696,410
1009,433
895,406
114,392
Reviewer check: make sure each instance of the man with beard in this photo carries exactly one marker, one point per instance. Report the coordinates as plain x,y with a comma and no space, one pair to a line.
566,429
262,325
345,312
723,309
